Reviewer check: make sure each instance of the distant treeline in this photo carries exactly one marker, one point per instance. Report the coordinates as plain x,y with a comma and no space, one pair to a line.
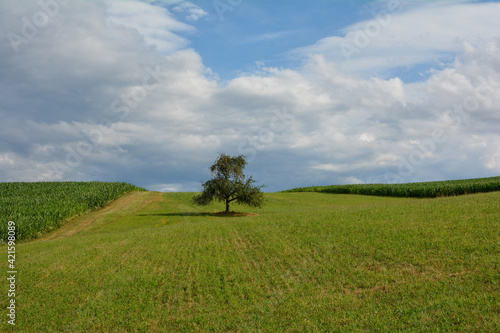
42,206
412,190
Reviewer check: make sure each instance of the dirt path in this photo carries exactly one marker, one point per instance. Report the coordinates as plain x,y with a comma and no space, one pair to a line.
132,201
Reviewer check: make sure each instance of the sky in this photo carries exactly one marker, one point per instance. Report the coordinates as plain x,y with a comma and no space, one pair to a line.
312,92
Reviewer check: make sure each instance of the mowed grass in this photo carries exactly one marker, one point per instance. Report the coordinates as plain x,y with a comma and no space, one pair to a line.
309,262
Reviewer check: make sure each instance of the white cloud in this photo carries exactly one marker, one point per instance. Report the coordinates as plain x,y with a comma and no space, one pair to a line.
96,101
7,160
432,33
267,36
155,23
166,187
192,11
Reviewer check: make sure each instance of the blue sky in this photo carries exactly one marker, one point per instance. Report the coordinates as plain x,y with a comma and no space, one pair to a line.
313,92
266,31
234,39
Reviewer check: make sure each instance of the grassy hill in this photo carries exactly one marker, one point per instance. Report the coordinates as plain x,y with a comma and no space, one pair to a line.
152,262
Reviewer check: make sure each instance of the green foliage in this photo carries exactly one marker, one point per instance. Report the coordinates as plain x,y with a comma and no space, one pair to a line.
413,190
228,184
43,206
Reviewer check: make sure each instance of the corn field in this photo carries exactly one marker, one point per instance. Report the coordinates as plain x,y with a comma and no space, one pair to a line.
43,206
412,190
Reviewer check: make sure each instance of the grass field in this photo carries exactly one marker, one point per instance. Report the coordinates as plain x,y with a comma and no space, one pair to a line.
152,262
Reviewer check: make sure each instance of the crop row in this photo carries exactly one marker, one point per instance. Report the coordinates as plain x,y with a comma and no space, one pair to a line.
43,206
412,190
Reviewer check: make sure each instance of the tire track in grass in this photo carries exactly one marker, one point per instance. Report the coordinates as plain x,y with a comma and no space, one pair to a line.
78,224
240,247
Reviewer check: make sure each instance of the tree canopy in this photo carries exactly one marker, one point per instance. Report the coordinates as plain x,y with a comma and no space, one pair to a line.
229,184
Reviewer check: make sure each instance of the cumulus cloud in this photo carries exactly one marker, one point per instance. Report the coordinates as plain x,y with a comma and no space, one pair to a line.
155,23
400,35
192,11
89,98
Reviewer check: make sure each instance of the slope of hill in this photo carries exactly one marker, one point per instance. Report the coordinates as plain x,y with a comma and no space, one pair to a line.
305,262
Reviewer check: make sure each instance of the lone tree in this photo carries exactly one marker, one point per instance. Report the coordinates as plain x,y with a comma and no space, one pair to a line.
228,184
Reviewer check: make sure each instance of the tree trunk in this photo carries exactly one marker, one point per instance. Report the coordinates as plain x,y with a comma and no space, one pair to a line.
227,205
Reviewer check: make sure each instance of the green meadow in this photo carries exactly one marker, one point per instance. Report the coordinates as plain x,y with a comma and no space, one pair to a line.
306,262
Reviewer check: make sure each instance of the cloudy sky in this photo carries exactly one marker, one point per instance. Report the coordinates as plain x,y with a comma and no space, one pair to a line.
312,92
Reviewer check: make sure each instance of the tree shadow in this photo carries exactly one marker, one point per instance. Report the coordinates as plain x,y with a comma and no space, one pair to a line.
204,214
